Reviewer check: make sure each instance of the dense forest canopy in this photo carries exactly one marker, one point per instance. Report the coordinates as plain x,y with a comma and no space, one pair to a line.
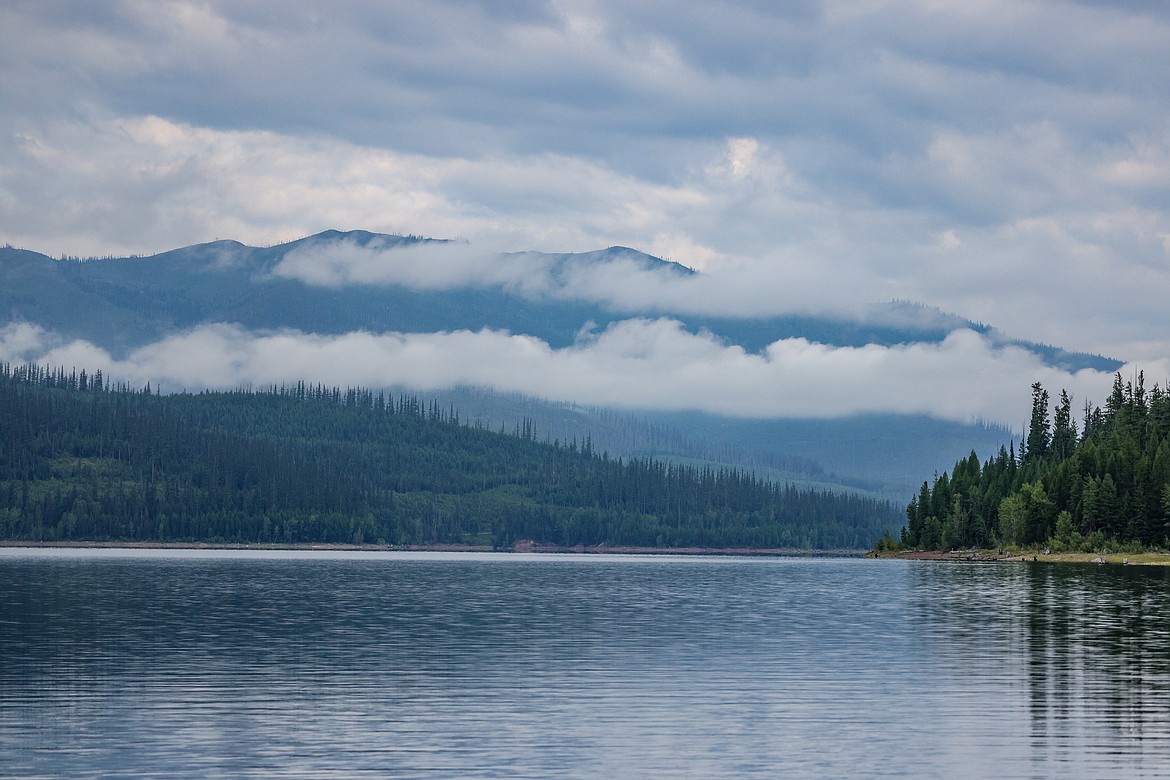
81,459
1107,484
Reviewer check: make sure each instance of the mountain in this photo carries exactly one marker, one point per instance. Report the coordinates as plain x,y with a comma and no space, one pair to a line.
122,303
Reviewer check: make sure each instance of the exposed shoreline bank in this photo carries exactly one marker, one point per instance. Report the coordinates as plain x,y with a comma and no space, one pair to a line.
519,547
994,556
953,556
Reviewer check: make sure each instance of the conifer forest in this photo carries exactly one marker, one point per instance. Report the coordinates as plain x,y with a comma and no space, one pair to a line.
84,458
1102,483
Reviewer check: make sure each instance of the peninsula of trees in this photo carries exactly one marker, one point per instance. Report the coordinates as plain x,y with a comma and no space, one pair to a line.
83,459
1107,485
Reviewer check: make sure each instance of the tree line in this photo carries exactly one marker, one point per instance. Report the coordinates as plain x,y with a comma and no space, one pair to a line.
1104,484
82,458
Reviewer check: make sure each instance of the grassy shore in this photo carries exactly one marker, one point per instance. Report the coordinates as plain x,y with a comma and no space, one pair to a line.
1029,556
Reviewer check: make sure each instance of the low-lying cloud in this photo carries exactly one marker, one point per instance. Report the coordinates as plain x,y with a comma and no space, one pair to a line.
634,364
620,279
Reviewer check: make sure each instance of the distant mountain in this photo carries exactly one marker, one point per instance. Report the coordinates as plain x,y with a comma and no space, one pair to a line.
122,303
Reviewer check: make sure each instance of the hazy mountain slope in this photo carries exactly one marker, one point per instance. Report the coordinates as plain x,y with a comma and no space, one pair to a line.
892,453
35,288
885,455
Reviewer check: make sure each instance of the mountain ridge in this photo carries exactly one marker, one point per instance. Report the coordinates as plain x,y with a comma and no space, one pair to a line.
142,298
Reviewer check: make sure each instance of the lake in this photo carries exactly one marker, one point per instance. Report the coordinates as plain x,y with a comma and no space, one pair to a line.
120,663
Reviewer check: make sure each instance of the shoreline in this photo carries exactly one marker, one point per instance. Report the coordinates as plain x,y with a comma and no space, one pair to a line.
994,556
519,547
526,546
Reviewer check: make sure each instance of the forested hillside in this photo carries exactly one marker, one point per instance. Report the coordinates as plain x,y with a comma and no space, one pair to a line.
81,459
1108,484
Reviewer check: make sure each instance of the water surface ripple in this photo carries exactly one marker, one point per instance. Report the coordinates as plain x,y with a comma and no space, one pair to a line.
282,664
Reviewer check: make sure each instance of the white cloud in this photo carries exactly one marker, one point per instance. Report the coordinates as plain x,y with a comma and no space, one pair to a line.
423,266
145,184
618,279
640,364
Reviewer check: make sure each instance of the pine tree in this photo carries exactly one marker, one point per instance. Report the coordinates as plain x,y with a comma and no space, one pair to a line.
1064,429
1039,437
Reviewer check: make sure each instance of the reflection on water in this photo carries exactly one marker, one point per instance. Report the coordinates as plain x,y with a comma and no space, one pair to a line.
393,665
1097,652
1085,650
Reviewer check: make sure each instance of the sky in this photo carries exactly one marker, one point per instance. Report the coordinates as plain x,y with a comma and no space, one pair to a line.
1005,161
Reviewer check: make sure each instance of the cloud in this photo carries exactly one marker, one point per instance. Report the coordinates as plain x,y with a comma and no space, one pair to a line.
619,279
421,266
142,184
1007,161
1090,279
636,364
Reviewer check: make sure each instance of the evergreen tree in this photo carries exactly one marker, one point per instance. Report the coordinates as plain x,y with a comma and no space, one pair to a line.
1064,429
1110,486
1039,436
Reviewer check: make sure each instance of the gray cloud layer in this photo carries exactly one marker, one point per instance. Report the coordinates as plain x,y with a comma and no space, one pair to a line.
1007,161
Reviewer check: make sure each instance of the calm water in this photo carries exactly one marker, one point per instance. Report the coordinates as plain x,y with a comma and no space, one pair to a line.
225,664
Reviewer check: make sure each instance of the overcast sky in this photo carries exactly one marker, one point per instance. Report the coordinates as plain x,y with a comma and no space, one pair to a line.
1006,161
